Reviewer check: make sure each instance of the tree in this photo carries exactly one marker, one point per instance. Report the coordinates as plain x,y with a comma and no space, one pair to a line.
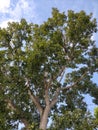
43,66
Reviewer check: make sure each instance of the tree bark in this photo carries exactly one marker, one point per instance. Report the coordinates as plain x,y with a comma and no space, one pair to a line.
49,105
44,118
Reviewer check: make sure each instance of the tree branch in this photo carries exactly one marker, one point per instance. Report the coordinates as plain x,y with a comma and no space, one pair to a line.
35,101
47,85
33,97
47,96
69,87
12,106
60,73
53,102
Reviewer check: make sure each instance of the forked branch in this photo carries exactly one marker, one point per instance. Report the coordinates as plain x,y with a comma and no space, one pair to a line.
53,102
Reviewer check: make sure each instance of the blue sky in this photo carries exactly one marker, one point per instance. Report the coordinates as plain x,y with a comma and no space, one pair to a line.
37,11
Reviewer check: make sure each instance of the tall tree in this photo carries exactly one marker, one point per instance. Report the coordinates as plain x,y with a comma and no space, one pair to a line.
43,66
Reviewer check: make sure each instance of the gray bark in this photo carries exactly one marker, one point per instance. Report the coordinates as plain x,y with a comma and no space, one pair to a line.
44,118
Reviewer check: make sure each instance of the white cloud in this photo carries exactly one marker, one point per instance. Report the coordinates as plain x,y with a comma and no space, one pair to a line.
4,5
22,9
5,23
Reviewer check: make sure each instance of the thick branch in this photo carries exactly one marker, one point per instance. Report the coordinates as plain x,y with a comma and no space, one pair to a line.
47,96
33,97
53,102
35,101
46,88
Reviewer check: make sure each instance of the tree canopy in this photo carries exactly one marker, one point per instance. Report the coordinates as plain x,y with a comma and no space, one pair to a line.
46,69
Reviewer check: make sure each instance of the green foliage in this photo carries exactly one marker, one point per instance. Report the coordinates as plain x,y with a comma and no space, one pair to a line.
96,112
76,120
41,54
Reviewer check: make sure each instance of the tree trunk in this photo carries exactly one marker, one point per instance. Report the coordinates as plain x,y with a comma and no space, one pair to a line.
44,118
